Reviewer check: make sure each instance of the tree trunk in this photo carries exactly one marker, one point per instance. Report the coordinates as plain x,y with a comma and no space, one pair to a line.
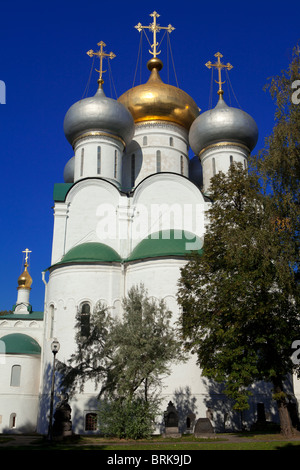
286,427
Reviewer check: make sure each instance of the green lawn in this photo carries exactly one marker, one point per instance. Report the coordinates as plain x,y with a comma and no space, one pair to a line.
186,443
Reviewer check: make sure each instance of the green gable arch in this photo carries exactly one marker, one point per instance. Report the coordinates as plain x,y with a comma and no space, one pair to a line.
167,243
18,343
91,252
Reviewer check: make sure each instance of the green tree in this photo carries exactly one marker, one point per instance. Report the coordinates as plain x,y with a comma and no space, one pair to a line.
127,359
130,418
146,344
93,356
279,162
240,299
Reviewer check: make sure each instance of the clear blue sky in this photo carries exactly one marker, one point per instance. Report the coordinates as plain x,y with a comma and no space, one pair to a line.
44,65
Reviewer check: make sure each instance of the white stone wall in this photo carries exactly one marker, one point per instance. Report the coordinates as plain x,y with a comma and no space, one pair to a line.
86,158
219,158
168,139
20,402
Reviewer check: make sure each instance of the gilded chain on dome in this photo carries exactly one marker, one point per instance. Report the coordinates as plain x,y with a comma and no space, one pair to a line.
154,28
155,100
219,66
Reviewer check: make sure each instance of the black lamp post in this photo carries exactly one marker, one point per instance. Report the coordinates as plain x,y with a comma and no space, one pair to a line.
54,348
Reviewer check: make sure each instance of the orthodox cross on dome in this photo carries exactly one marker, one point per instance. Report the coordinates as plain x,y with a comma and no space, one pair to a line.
26,251
154,28
219,66
101,54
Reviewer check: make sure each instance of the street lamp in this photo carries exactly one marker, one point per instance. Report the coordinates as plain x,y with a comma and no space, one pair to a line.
54,348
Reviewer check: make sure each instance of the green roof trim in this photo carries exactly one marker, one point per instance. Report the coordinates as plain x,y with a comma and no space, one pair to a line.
17,343
160,244
23,316
167,243
89,253
60,191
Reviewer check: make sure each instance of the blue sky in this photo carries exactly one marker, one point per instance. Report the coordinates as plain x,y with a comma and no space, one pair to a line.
44,65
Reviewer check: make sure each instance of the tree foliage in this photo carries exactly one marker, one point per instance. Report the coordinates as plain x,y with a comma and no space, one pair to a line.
127,359
240,299
127,418
146,345
92,359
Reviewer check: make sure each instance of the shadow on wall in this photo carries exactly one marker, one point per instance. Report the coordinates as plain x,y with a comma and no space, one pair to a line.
225,418
185,405
44,405
219,408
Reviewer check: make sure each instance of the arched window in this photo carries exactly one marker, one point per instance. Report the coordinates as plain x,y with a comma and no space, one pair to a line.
214,166
15,377
116,164
158,161
85,313
132,169
12,420
181,164
91,422
82,162
98,160
171,142
51,321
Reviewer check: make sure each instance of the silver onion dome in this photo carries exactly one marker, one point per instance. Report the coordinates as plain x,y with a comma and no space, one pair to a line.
195,171
98,113
69,171
223,124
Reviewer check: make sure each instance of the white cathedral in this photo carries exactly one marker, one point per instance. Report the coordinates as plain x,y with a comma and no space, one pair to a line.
131,207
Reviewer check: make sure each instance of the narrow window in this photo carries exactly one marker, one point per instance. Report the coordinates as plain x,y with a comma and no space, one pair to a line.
51,321
158,161
145,140
181,165
171,142
132,169
116,164
85,320
98,160
91,422
231,159
12,420
15,377
245,164
81,162
214,166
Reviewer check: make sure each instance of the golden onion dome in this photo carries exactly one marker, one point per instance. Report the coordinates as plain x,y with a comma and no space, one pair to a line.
25,280
157,101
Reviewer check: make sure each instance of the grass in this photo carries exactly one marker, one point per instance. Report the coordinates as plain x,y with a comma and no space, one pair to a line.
238,441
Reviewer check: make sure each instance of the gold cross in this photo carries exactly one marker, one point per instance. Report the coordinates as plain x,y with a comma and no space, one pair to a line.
219,66
26,254
101,54
154,28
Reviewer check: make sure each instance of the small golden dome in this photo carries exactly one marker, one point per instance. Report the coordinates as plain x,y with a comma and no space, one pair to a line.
157,101
25,279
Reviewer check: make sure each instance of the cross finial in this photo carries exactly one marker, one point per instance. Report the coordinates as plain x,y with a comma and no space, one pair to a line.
26,251
219,66
154,28
101,54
